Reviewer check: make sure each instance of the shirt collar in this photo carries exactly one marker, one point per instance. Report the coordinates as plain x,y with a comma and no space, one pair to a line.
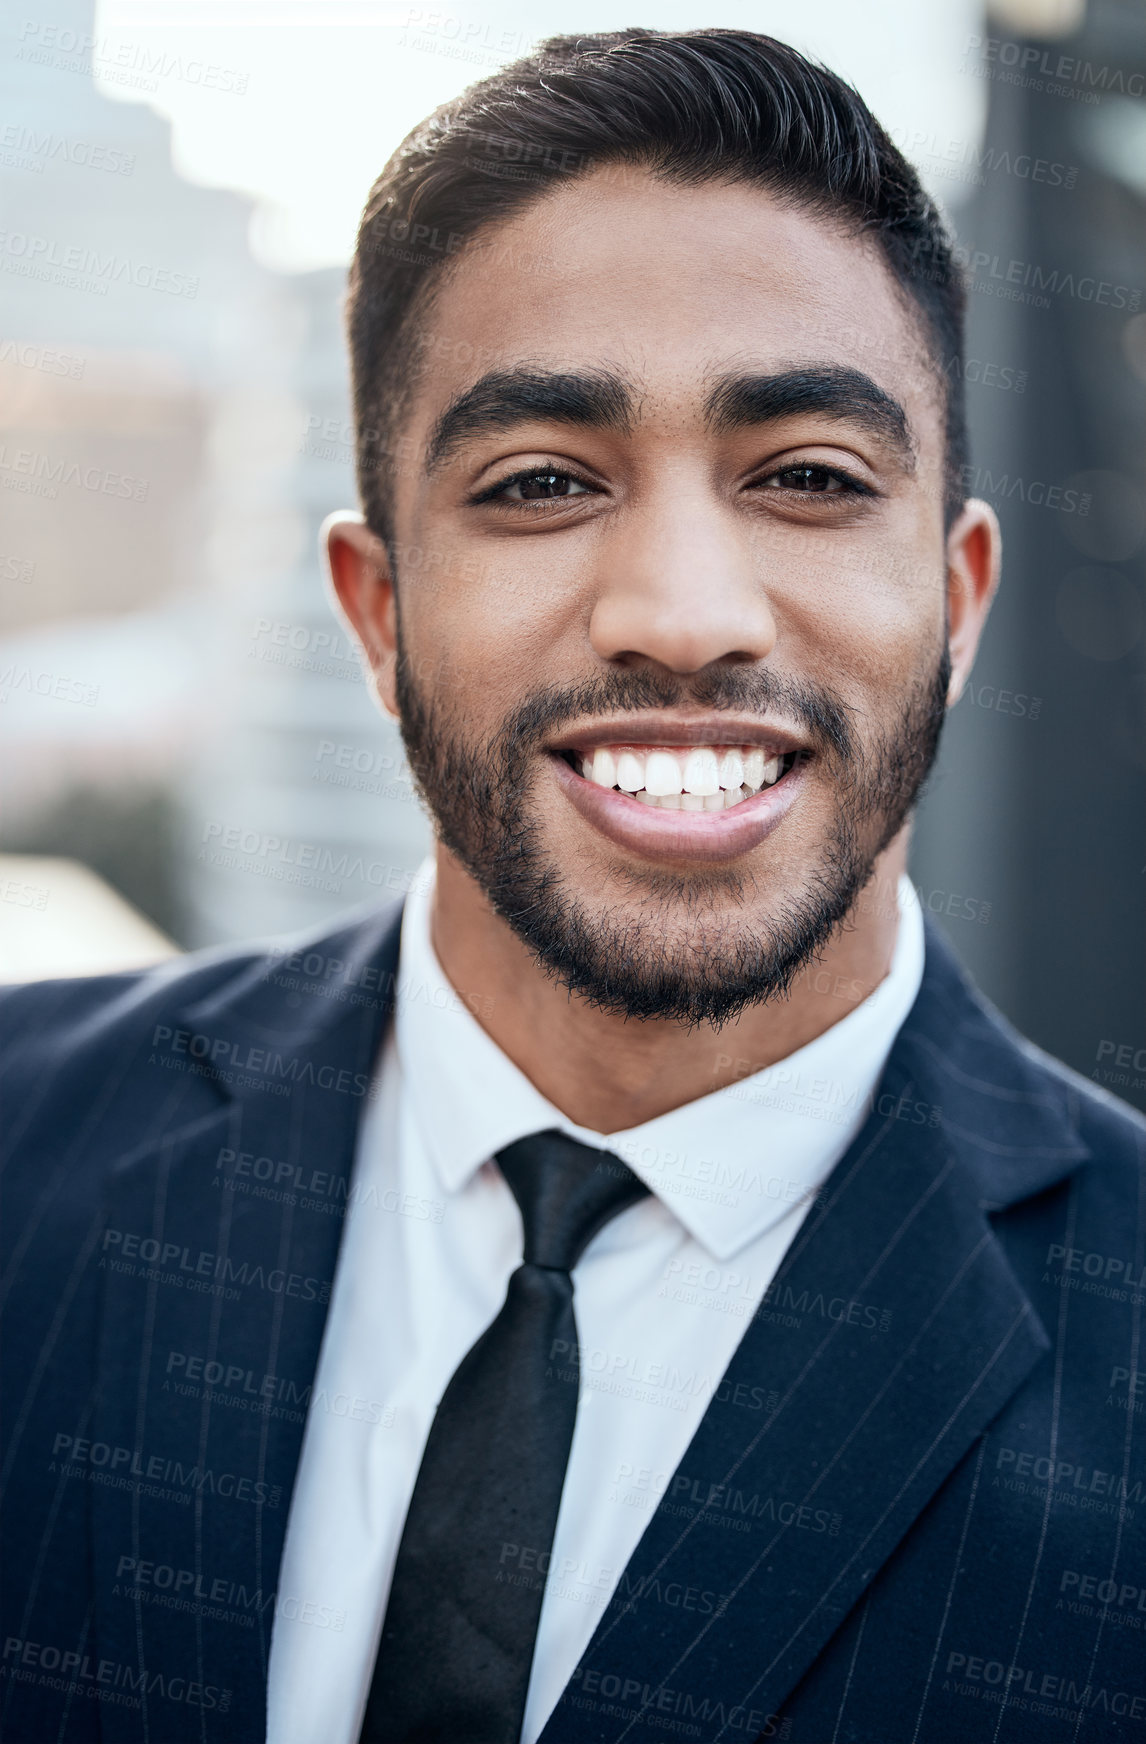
728,1165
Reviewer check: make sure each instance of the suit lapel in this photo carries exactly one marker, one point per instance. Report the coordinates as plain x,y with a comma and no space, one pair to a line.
893,1334
221,1247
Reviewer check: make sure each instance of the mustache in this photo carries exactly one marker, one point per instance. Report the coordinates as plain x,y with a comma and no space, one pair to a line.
758,690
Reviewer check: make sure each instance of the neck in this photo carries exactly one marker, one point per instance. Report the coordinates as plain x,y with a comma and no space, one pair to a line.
606,1072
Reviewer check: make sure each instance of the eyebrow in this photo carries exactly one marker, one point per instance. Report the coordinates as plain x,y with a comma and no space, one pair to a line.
601,399
505,398
847,396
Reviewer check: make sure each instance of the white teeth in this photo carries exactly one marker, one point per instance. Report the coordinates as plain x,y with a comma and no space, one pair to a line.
630,774
701,778
604,770
731,771
662,774
701,774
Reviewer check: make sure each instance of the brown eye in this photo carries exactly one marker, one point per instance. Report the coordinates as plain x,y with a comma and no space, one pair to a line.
536,486
810,478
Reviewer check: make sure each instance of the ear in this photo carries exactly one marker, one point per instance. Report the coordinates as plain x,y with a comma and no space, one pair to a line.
362,582
974,554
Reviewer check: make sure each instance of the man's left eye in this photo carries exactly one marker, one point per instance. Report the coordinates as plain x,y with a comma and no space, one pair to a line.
811,478
540,486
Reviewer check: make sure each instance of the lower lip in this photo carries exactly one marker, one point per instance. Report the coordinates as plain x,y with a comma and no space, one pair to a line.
679,835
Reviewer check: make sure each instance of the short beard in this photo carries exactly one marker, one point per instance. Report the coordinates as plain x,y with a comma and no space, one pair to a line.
646,965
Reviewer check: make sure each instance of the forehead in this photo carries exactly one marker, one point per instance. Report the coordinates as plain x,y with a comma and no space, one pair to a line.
671,285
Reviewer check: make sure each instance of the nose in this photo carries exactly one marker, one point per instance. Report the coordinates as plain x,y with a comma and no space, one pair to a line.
677,584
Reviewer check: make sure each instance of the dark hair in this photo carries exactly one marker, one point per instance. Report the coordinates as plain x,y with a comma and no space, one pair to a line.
702,105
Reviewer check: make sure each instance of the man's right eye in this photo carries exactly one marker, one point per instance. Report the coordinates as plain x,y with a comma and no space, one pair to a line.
538,484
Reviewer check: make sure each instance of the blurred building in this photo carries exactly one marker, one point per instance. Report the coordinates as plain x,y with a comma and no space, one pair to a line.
1032,843
162,609
318,813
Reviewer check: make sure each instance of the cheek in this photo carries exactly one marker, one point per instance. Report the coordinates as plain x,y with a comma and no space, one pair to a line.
495,625
867,656
866,610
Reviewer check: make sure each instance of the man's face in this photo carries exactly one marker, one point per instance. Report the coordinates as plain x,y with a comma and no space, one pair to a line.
671,583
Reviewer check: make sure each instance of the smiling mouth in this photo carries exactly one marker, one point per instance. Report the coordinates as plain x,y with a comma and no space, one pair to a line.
710,778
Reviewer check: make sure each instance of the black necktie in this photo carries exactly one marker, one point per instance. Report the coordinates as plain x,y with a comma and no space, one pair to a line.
457,1643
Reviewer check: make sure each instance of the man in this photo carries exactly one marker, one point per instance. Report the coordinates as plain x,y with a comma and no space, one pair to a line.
640,1289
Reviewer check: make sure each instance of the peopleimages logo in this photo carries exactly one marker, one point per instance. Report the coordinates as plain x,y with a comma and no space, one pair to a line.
56,685
23,147
1027,1688
52,471
105,1680
1022,281
1029,275
1001,486
312,864
44,358
122,63
973,162
70,1451
42,257
1027,64
184,1264
219,1054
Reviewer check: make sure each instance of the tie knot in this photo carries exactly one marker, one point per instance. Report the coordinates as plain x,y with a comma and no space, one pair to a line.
566,1192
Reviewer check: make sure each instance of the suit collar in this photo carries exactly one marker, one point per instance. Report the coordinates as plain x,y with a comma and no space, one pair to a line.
1012,1131
302,987
302,990
470,1100
1008,1113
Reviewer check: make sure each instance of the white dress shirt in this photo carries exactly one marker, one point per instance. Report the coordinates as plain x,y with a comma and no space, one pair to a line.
663,1295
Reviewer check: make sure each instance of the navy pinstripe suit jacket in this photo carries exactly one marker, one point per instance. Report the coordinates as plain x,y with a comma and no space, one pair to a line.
914,1515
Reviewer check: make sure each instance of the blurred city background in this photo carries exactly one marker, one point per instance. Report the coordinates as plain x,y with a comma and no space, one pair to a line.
190,753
